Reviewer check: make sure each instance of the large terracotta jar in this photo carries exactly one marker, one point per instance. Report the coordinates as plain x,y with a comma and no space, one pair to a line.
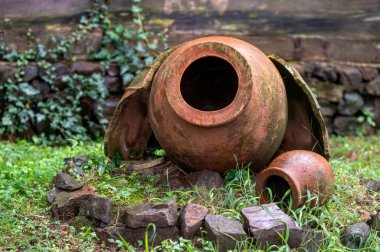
216,102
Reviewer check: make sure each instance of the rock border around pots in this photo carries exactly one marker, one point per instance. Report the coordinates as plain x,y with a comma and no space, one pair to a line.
81,205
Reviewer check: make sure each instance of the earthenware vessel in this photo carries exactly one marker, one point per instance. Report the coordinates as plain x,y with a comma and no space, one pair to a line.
216,102
306,174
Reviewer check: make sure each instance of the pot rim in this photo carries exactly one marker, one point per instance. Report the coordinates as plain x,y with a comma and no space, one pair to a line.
184,59
294,185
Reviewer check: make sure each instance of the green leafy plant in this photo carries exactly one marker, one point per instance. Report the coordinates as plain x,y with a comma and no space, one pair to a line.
367,121
59,115
131,48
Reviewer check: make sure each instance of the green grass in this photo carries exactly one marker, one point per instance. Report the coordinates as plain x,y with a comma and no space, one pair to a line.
26,172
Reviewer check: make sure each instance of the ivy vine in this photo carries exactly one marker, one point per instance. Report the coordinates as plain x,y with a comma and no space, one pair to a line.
58,114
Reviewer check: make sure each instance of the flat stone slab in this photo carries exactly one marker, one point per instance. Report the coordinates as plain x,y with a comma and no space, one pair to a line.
191,220
264,223
98,208
52,194
224,232
66,182
313,240
67,204
206,178
133,235
146,167
174,177
356,235
161,214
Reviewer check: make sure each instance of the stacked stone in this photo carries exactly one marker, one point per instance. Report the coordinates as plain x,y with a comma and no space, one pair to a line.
34,76
262,225
343,91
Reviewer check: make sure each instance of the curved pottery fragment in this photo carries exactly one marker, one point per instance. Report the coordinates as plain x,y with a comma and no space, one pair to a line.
306,129
304,173
129,129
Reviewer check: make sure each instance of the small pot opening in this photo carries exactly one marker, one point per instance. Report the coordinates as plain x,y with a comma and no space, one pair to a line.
279,187
209,84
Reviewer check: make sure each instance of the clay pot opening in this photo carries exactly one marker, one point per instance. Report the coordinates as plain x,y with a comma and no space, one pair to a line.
278,187
209,84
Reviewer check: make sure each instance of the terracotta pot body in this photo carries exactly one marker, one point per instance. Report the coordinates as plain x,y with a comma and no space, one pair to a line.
300,171
216,102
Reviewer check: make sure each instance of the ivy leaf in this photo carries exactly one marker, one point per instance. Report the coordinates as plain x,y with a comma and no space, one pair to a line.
136,9
40,117
127,78
139,47
6,120
124,69
28,89
159,152
113,35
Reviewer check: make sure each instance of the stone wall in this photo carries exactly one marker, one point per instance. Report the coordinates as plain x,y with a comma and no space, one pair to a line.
334,44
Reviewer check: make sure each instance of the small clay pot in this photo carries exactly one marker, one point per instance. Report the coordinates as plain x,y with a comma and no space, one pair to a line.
300,171
218,101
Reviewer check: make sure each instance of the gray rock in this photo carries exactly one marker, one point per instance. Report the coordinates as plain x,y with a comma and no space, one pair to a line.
191,220
206,178
86,106
30,72
368,73
328,109
98,208
161,214
174,177
264,223
7,71
134,235
309,68
345,125
76,164
60,69
67,204
312,241
113,84
66,182
373,87
111,233
372,184
374,222
86,67
59,82
325,72
113,70
350,77
90,42
330,92
355,236
224,232
350,104
52,195
41,86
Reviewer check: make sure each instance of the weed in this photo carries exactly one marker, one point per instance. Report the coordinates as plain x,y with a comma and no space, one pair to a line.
26,172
